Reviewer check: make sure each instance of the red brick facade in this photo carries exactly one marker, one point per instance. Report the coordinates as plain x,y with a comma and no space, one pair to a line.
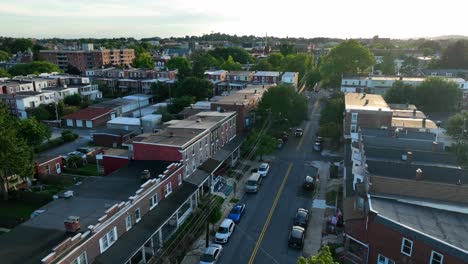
50,167
367,119
112,163
144,151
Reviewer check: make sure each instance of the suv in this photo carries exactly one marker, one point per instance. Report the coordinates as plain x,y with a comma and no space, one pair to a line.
299,132
301,218
296,237
225,231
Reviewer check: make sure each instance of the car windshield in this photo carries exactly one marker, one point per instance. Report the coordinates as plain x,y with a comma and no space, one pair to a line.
236,210
251,183
207,258
300,217
223,230
262,168
296,233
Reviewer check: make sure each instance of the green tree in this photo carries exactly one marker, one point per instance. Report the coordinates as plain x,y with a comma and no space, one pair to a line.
410,66
182,65
202,63
144,60
312,77
300,62
161,91
35,67
16,156
72,70
287,49
238,54
456,55
400,93
21,44
74,99
33,132
262,65
276,61
4,73
457,126
349,57
461,151
388,64
324,256
165,115
333,111
283,103
4,56
231,65
178,104
438,95
200,89
40,113
266,145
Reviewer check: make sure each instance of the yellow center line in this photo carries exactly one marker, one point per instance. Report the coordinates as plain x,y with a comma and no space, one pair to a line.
303,136
272,210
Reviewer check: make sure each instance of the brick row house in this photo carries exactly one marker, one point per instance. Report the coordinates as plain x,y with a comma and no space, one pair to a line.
401,185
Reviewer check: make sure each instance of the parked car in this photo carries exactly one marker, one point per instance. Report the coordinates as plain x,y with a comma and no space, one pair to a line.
225,231
299,132
301,218
264,169
318,146
236,212
319,139
74,153
296,237
253,183
309,183
212,254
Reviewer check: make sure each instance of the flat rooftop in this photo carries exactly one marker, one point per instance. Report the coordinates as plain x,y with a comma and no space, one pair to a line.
417,123
178,137
267,74
35,238
448,226
362,101
421,157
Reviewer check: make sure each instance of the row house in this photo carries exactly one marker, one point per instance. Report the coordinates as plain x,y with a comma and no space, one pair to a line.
129,85
19,85
192,140
61,92
216,76
365,111
90,117
20,104
267,77
239,76
129,221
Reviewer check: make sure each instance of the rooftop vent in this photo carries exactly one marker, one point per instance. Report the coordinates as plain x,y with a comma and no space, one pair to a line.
419,174
367,102
72,224
145,175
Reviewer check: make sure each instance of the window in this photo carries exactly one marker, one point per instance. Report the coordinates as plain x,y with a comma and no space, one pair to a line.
82,259
436,258
128,222
154,201
47,169
137,215
108,239
406,247
168,189
384,260
353,129
179,179
360,203
354,117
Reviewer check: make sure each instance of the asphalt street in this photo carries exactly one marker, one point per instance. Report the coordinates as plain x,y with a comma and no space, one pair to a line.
262,234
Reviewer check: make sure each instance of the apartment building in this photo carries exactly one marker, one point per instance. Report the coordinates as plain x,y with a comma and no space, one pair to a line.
88,57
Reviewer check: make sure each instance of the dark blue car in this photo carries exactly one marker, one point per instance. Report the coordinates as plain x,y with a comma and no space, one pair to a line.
236,212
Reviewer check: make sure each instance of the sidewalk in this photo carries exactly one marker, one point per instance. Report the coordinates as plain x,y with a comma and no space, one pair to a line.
198,248
313,240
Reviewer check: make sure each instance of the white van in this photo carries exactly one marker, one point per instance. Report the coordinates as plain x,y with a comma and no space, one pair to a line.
254,182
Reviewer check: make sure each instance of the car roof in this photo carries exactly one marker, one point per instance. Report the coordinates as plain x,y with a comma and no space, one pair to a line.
238,206
297,231
298,129
301,211
264,165
226,222
210,250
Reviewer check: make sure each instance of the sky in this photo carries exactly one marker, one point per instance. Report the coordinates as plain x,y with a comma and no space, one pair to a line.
293,18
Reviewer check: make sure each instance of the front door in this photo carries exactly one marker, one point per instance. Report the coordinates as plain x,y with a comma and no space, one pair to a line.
58,168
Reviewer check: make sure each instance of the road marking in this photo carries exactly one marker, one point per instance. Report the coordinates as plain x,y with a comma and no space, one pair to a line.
272,210
303,136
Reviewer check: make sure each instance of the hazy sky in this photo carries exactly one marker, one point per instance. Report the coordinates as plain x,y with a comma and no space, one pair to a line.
294,18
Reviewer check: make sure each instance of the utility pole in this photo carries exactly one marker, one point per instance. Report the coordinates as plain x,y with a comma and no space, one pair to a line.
141,120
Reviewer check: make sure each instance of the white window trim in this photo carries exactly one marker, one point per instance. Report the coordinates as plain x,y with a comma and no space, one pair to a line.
78,261
154,201
432,257
179,179
167,189
128,222
403,246
139,215
110,243
353,130
354,115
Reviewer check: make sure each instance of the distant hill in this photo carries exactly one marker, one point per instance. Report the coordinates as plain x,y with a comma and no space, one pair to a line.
455,37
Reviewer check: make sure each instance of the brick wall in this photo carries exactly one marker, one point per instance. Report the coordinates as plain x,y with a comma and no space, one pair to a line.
368,119
241,113
112,164
387,242
154,152
41,169
108,140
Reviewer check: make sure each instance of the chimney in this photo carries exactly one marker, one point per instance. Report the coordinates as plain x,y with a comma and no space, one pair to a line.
72,224
367,102
419,174
435,146
409,157
414,113
424,123
255,91
245,96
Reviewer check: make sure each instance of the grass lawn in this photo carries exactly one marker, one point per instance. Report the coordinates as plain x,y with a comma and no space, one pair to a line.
17,209
86,170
